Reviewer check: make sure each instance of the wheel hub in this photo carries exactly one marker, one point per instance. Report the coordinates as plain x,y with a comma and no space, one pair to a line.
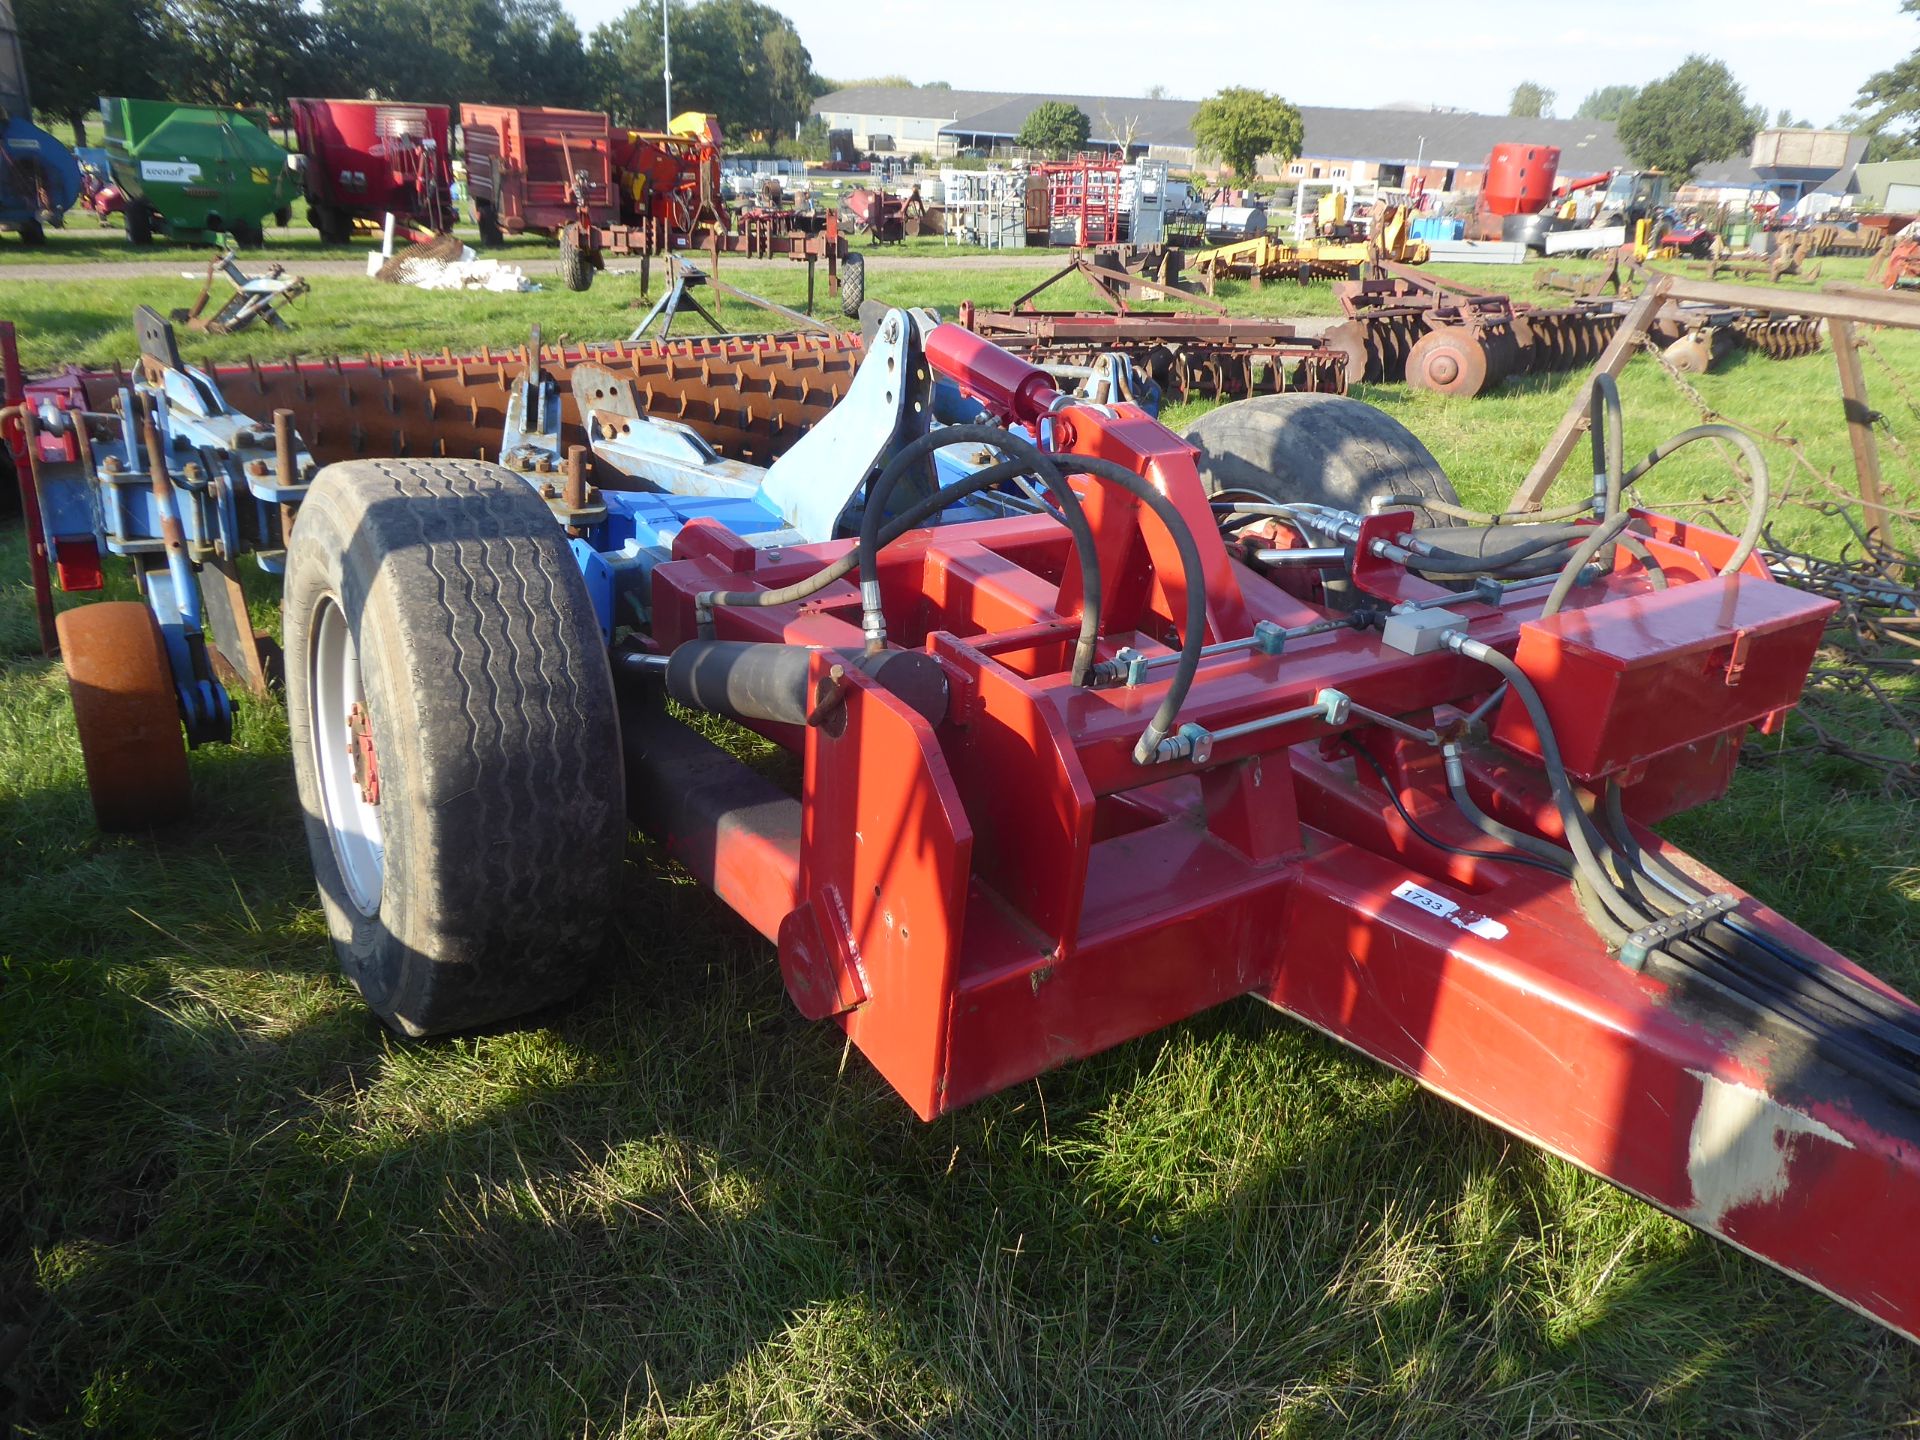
360,752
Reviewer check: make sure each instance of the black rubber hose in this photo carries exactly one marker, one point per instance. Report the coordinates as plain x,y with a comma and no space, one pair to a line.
1760,480
1606,421
1602,534
1740,937
900,525
1442,564
918,449
1580,834
1558,857
1193,635
1414,825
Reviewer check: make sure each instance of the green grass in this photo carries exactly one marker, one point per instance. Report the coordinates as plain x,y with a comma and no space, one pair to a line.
87,239
230,1204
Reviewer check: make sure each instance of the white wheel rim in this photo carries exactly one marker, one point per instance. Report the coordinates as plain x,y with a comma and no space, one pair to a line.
334,688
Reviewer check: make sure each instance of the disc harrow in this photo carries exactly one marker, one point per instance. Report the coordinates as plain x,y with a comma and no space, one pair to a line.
1396,331
1188,355
1779,337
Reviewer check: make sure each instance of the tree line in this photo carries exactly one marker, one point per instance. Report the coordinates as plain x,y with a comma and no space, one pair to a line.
738,59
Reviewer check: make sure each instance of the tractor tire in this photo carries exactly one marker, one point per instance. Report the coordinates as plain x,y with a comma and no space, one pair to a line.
334,227
576,262
126,712
491,235
283,217
32,234
455,740
1327,449
853,285
139,223
248,234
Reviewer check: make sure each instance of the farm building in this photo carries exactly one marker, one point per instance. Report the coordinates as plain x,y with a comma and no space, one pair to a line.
1391,146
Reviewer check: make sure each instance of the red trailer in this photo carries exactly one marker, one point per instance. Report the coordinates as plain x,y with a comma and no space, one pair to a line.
666,198
524,163
369,158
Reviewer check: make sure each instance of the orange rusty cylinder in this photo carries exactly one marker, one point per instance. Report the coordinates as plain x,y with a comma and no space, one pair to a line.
126,713
1520,178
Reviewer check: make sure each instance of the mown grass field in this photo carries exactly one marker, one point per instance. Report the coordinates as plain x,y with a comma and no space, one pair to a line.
231,1204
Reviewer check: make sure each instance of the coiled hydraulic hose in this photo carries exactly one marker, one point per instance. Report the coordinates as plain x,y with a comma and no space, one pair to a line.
1193,635
1760,481
912,454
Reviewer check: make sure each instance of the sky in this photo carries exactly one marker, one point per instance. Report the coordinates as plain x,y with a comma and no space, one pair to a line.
1808,56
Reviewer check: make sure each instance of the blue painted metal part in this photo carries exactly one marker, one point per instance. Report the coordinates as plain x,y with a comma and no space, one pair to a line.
36,161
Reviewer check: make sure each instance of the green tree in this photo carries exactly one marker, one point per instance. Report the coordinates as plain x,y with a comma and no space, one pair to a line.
1694,115
242,52
78,50
1888,110
1530,100
1054,128
1605,103
1239,125
737,59
449,51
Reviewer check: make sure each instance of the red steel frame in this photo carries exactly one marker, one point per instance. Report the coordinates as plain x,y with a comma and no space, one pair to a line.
976,904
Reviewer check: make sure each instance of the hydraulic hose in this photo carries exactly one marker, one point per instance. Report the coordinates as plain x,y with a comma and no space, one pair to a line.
1440,564
900,525
1601,535
1606,421
913,453
1760,480
1486,517
1193,633
1557,856
1580,833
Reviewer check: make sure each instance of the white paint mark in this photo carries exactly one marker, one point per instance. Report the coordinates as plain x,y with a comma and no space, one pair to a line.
1481,925
1742,1143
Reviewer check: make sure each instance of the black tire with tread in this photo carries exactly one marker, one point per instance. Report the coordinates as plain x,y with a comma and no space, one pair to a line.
489,224
853,285
576,262
1328,449
139,223
248,234
33,234
496,731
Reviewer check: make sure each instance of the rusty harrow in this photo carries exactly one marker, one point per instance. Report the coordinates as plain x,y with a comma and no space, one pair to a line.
1778,337
1457,340
1188,355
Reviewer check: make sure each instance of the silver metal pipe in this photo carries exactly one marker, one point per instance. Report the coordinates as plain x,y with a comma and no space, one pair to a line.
1322,555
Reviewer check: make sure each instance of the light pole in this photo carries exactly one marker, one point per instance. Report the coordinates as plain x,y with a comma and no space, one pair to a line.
666,56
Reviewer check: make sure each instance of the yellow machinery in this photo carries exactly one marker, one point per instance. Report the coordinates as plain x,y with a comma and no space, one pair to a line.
1318,258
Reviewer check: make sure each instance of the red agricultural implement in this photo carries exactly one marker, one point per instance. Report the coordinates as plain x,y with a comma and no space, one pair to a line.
1097,726
534,168
667,199
367,159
